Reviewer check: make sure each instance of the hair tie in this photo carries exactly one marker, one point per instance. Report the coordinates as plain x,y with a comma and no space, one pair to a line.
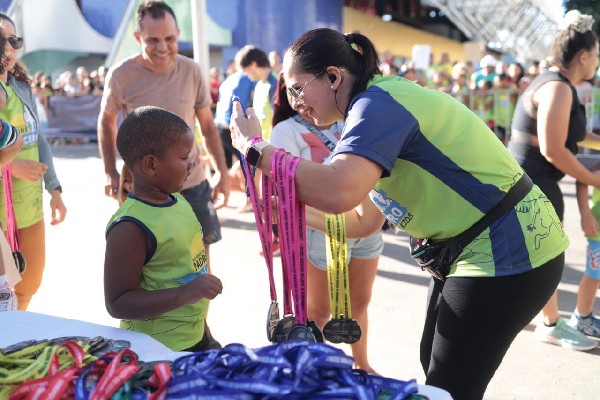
354,46
577,21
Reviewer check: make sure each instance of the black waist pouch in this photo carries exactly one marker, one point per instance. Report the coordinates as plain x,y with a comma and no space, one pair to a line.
436,257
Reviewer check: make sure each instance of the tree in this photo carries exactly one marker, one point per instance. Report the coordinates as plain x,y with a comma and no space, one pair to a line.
586,7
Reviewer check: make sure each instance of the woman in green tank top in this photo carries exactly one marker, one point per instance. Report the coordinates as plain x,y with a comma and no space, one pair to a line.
33,163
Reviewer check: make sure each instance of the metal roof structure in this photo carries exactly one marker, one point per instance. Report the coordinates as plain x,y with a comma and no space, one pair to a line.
524,28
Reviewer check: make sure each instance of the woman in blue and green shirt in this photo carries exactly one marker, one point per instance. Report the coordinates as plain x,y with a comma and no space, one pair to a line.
433,168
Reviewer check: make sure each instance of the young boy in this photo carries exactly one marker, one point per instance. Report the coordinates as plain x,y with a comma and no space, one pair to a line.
583,318
155,269
10,144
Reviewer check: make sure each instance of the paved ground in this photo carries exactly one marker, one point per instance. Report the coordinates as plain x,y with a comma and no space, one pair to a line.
72,288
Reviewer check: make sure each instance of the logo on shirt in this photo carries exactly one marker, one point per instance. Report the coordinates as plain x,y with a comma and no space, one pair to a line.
393,211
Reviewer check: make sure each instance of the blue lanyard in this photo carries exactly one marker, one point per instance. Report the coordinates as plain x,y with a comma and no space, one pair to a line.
294,369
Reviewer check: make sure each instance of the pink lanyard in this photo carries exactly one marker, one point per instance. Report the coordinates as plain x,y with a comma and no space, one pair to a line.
11,220
292,220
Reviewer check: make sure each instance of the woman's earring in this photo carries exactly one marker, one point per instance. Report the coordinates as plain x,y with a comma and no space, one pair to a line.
331,87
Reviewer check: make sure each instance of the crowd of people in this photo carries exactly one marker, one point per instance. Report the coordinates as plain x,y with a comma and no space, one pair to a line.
351,125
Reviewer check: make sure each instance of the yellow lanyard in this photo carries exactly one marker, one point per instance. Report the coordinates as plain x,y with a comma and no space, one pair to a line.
338,279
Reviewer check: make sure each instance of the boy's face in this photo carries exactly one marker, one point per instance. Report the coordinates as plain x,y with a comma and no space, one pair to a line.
175,165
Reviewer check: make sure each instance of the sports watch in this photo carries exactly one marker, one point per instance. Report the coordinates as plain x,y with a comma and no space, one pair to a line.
254,152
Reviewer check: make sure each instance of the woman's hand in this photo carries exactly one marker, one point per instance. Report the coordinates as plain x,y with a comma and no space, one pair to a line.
243,127
28,170
57,208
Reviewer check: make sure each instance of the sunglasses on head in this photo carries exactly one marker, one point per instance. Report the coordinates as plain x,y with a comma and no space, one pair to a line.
15,41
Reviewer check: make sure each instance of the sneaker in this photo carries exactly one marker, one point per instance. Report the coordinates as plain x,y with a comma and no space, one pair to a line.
8,298
564,335
275,248
589,326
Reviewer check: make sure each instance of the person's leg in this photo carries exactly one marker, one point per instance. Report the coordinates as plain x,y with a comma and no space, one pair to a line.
550,311
477,320
362,276
583,318
588,287
318,295
228,148
32,242
364,257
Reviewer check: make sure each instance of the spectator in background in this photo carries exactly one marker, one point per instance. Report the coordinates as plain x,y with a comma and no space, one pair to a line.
252,66
68,84
487,72
505,98
275,62
84,82
231,68
389,69
444,71
216,78
460,86
516,73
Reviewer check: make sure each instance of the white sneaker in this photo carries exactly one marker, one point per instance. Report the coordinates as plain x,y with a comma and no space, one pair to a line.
564,335
8,298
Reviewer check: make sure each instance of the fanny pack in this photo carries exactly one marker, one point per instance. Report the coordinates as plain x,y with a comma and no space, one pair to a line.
437,256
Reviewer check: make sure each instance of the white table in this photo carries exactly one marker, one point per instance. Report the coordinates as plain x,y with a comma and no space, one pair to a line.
17,326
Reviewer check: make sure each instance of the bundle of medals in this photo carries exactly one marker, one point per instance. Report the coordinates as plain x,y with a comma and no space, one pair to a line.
292,236
294,369
79,368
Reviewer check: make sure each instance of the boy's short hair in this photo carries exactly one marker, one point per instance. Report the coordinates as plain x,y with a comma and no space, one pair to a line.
148,130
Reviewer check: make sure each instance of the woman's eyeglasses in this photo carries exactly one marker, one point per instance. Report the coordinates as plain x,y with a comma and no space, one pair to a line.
15,41
298,94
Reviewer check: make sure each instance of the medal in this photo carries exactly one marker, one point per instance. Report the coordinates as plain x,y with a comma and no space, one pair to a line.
272,319
301,332
315,330
354,331
336,330
280,333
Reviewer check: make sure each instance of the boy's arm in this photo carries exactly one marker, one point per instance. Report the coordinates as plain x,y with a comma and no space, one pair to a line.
126,249
589,224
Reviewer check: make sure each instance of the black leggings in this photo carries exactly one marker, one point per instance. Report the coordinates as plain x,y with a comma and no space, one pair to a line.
471,323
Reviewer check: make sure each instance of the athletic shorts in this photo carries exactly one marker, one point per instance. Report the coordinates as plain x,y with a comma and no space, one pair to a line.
200,199
363,248
592,265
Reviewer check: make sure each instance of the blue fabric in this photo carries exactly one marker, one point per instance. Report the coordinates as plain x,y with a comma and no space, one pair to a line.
237,84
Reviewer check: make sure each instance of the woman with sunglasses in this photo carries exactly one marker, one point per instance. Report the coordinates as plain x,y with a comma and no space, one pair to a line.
431,166
33,163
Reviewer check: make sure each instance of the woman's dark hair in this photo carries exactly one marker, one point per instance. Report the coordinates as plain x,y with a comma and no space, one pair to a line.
320,48
568,42
282,109
19,71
